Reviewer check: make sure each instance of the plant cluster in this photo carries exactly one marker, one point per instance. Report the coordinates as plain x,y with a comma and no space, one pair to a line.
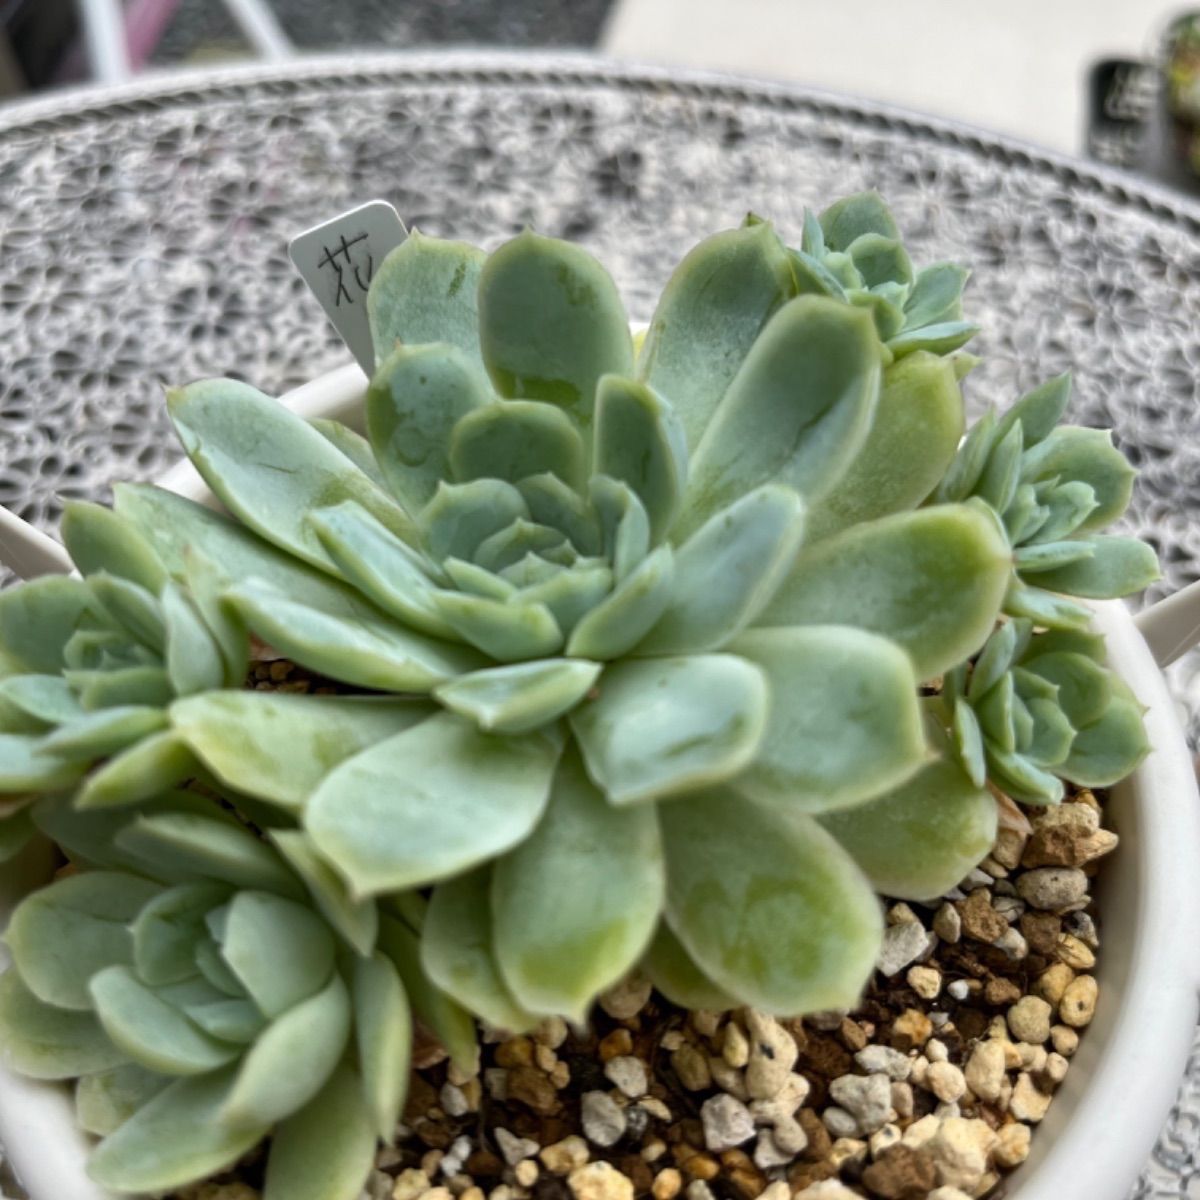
666,653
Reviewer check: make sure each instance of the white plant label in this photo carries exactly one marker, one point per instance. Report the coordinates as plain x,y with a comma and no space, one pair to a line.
338,258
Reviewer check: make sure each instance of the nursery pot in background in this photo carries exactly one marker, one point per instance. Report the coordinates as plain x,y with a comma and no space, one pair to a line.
1106,1115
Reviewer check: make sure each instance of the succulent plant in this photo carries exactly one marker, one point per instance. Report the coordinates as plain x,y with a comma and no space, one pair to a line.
207,988
1054,487
1037,708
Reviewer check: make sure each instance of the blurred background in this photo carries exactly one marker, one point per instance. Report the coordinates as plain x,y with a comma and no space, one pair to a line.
1113,80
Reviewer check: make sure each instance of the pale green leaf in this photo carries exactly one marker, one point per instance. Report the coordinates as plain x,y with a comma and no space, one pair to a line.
1021,779
303,1047
353,445
918,841
931,580
458,951
151,1031
425,291
175,1138
671,970
383,1028
575,904
1107,750
45,1042
1084,686
844,722
1002,472
520,542
413,403
270,468
514,440
767,904
61,935
144,771
571,594
629,611
551,502
624,524
505,631
520,698
968,741
1039,411
551,323
849,218
48,699
207,584
659,727
148,686
429,803
964,471
1118,566
229,1020
194,660
1086,456
880,259
17,830
324,1151
1067,507
796,413
99,734
133,608
936,295
99,540
728,570
709,315
24,769
1045,608
37,620
1049,556
279,746
167,928
106,1100
936,339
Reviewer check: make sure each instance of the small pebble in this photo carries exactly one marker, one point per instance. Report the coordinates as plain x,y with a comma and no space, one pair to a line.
1050,888
1053,982
563,1157
883,1139
925,981
603,1120
848,1151
668,1183
839,1122
776,1191
1056,1068
960,1151
727,1122
600,1181
768,1153
936,1052
773,1054
1078,1004
1029,1019
827,1189
922,1131
1012,945
958,990
1075,953
1028,1103
513,1148
551,1032
948,1193
1064,1040
902,944
453,1100
985,1070
876,1059
692,1068
947,924
1012,1145
911,1029
629,1075
410,1184
735,1048
628,998
868,1098
902,1100
526,1173
946,1082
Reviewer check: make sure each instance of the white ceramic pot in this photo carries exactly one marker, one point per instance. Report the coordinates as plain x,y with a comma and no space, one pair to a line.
1107,1114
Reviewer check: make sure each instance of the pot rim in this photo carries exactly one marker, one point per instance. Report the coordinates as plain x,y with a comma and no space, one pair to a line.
1150,895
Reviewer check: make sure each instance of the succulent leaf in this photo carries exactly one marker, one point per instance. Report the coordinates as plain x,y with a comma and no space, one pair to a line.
710,314
936,295
99,540
796,413
139,773
353,445
383,1026
551,323
673,972
797,932
467,796
1117,566
106,1100
661,726
36,622
520,698
844,721
575,904
932,581
514,440
628,612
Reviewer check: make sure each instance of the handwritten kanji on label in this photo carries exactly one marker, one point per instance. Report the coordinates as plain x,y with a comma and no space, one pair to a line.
338,259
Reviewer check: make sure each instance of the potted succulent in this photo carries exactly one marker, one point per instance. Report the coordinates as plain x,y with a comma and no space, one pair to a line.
668,654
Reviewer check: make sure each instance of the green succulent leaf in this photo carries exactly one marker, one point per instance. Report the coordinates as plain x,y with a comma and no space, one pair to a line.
931,581
355,920
145,686
270,468
458,951
132,608
17,830
767,904
1050,740
208,848
207,585
849,218
1109,748
166,929
324,1151
1022,779
24,769
968,741
1045,608
919,840
517,439
106,1100
46,1042
465,796
1038,412
663,726
364,648
280,951
963,474
796,413
383,1028
880,259
48,699
624,524
641,442
143,771
1067,507
278,746
426,290
551,502
230,1020
461,516
575,904
728,570
937,339
917,427
844,721
506,631
996,658
520,698
1084,456
551,324
672,971
1084,686
152,1031
353,445
998,482
413,403
571,595
99,540
629,611
1118,566
175,1138
381,566
936,295
709,316
62,934
99,734
303,1046
1049,556
518,546
37,620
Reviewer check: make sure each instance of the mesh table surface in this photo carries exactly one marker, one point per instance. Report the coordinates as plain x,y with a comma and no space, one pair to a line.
143,243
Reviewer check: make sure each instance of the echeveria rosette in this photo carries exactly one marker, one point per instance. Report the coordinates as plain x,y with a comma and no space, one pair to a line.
1055,487
593,568
207,989
1039,707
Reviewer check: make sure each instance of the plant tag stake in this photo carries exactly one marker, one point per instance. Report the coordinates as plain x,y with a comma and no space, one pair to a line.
337,260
